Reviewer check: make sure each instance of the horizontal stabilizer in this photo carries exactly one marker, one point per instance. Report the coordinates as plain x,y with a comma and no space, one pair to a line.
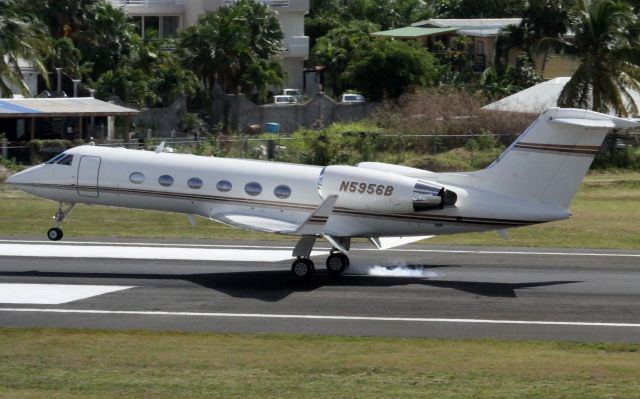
391,242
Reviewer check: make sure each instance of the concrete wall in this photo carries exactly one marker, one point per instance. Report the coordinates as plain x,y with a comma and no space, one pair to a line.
320,111
164,119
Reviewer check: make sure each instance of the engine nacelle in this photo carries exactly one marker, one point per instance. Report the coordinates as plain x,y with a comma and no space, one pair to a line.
378,191
399,169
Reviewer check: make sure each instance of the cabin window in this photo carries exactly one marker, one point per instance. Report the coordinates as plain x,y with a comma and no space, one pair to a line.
136,178
224,186
165,180
66,160
194,183
56,158
282,191
253,188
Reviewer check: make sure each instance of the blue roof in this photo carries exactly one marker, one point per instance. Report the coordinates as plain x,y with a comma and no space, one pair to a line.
9,108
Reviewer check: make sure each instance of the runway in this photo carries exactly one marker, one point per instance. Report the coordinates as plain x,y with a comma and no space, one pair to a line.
239,286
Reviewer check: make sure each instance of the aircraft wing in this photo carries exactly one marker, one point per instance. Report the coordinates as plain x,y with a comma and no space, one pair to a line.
252,222
313,225
392,242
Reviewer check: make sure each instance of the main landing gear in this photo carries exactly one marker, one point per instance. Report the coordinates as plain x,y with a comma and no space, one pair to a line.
303,267
64,209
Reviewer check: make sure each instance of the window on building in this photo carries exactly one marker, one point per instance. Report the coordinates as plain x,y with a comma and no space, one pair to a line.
170,26
137,21
164,26
151,23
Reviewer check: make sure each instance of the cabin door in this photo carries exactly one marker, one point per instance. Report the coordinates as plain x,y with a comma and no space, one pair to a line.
88,170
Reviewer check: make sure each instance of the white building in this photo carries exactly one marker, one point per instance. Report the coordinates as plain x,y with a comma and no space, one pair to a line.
30,77
169,16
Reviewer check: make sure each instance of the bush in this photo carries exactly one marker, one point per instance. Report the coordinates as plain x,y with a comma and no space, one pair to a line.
449,112
336,144
619,158
41,150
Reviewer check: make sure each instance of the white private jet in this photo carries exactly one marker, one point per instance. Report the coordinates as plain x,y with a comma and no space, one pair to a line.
533,181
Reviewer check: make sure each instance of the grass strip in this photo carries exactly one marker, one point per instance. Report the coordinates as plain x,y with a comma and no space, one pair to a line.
57,363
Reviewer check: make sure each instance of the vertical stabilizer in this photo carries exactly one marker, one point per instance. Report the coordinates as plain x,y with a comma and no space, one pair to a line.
549,160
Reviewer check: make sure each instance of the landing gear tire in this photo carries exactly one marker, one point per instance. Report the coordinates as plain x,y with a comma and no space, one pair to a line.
337,263
302,269
55,234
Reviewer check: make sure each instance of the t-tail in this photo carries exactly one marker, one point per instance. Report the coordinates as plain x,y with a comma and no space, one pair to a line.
549,160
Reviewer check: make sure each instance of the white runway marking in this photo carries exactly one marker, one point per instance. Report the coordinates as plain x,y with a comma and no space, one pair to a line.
321,250
145,252
52,294
320,317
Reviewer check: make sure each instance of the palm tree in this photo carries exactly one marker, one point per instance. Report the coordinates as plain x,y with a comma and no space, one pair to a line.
236,47
609,61
22,38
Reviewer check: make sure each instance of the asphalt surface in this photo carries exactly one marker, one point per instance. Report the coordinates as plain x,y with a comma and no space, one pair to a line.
428,291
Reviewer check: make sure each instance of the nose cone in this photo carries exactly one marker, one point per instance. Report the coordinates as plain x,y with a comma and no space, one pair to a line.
24,178
14,179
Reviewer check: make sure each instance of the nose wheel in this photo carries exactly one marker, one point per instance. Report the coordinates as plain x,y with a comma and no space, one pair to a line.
64,209
55,234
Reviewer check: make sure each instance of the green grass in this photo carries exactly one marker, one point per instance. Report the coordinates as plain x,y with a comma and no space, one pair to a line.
48,363
606,215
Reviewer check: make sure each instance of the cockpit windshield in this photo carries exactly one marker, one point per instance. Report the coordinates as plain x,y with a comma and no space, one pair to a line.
61,159
66,160
56,158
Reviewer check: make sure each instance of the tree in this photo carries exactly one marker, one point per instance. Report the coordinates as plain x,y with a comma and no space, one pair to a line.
478,9
515,79
543,22
236,47
387,68
150,76
377,67
22,37
609,61
100,33
337,48
325,15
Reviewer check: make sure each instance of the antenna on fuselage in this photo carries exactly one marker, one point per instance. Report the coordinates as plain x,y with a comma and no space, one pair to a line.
160,147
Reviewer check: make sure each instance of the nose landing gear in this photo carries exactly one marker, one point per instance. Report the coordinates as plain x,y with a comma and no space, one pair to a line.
55,233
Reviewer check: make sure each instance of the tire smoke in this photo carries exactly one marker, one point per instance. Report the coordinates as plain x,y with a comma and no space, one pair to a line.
393,269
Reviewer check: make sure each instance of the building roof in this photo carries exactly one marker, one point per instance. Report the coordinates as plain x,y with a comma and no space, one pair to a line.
413,32
473,26
538,98
59,107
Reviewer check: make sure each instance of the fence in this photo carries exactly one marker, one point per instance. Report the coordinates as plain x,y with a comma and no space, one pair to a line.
433,152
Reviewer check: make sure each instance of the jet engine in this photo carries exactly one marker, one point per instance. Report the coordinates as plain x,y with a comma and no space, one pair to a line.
379,191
